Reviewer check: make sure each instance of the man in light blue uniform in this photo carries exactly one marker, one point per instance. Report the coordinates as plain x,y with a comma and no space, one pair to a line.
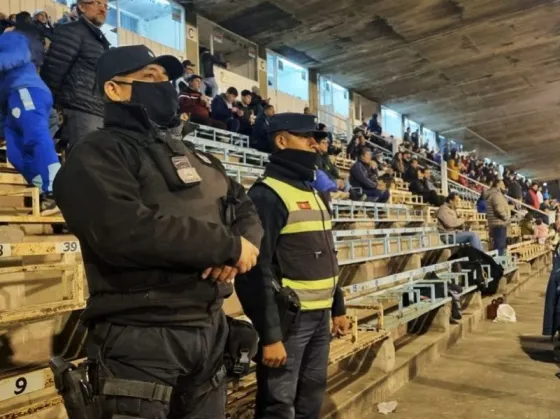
25,107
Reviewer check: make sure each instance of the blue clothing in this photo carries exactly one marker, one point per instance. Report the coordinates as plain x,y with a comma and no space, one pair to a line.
323,183
481,206
469,237
25,107
551,320
498,235
29,145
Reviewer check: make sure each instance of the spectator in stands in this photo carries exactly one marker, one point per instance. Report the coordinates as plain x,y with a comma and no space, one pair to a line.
498,214
540,196
257,102
35,41
398,164
406,136
196,105
247,115
415,138
532,196
378,159
70,16
24,17
43,22
540,231
514,188
223,109
356,145
181,84
69,70
260,140
453,167
322,127
481,204
526,225
25,106
325,165
426,188
449,221
363,175
307,110
412,171
208,60
374,126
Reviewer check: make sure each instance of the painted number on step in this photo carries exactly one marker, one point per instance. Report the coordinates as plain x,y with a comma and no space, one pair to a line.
23,384
68,247
5,250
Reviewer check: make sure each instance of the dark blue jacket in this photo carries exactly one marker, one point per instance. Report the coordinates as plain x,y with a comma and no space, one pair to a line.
259,139
219,108
551,319
362,176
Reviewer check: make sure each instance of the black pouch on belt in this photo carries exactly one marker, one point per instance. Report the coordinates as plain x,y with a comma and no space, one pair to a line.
241,347
289,307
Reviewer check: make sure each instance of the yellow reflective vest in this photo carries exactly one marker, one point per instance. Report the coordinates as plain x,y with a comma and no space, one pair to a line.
305,251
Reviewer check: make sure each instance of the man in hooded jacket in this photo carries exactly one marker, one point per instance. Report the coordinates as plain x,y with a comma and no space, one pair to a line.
25,107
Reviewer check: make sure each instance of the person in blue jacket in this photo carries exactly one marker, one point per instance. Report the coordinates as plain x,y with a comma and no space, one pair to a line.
25,107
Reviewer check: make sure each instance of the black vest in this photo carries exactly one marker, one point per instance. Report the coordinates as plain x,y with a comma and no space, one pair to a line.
158,296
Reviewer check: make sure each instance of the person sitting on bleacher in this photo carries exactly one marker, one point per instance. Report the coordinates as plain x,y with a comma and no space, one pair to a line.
248,113
196,105
398,164
363,174
259,139
356,145
223,109
423,186
411,172
449,221
326,166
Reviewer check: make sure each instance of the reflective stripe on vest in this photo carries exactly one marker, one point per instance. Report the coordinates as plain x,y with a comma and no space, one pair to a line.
305,208
306,214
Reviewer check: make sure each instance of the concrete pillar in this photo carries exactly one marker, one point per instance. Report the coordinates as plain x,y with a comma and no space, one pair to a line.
444,182
313,92
262,75
191,30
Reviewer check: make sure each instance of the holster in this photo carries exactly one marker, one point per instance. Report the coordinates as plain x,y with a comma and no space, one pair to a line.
73,384
289,308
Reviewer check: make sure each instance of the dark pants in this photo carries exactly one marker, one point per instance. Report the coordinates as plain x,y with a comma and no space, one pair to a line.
202,120
376,195
498,235
77,124
184,358
296,390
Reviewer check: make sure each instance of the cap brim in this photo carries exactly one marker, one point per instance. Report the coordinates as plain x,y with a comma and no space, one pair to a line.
172,65
319,135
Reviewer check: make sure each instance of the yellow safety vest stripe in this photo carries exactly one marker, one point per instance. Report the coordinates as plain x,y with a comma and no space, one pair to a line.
319,284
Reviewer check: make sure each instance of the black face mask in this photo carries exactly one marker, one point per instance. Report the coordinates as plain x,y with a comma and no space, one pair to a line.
160,100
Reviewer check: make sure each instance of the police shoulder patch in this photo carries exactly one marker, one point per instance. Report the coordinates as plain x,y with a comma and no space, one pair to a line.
16,112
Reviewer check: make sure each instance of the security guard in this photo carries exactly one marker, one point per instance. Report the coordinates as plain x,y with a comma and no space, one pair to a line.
297,254
163,231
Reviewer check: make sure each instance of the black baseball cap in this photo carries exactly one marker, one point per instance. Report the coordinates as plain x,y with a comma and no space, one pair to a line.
126,60
193,77
188,63
297,123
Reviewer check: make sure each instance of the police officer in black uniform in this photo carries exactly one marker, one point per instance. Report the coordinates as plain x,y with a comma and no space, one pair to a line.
297,260
163,232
